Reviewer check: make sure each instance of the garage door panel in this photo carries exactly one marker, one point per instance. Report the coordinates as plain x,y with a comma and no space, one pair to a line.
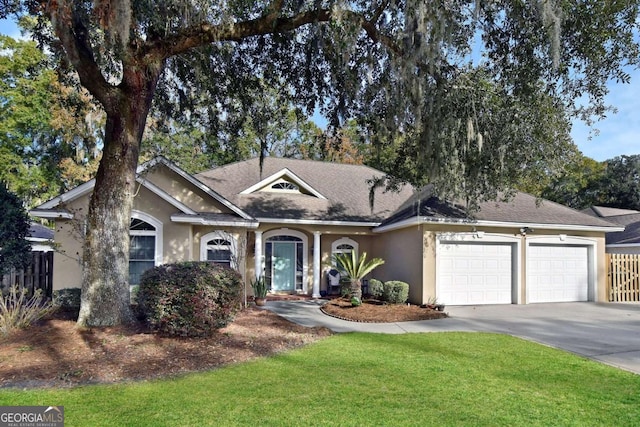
557,273
472,273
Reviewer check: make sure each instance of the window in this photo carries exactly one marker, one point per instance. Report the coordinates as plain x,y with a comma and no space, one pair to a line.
218,247
219,252
145,245
286,186
344,246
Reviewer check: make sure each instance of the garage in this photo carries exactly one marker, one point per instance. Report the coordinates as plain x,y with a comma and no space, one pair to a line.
557,273
475,273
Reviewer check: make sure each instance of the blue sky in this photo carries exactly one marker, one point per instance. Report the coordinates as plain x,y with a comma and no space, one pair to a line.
619,133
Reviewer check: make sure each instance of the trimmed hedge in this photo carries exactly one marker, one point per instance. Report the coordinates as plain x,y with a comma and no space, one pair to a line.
395,292
189,298
376,288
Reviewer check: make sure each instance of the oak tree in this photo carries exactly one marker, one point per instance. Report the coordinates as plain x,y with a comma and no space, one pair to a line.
423,70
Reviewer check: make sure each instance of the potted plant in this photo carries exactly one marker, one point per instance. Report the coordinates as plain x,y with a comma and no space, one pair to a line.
259,287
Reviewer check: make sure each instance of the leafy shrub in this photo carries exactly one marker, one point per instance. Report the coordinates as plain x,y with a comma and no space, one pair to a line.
395,292
356,302
67,299
18,311
376,288
189,298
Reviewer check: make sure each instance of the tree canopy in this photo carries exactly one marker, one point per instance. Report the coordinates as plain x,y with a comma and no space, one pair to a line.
48,131
469,94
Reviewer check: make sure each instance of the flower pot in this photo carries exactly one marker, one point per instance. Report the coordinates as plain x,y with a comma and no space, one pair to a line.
439,307
260,301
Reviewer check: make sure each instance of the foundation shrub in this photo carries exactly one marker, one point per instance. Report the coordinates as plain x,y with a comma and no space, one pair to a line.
189,298
376,288
395,292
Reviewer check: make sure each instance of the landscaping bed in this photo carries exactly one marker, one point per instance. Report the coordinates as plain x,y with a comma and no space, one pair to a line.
56,353
374,311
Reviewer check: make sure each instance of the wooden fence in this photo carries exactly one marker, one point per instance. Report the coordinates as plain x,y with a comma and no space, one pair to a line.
623,277
38,275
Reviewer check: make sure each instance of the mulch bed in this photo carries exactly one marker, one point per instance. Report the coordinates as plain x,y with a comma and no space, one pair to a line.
373,311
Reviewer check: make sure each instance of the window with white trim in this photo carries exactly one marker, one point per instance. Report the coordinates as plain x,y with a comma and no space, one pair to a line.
344,245
143,245
218,247
285,185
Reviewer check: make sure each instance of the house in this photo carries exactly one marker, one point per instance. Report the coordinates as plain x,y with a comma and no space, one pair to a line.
40,237
286,219
626,241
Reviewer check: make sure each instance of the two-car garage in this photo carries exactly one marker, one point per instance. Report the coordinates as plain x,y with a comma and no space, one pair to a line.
489,270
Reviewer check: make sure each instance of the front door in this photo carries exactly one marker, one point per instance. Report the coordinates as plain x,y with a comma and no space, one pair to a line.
283,261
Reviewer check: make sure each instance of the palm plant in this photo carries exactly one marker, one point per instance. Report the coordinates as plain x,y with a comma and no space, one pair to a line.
354,269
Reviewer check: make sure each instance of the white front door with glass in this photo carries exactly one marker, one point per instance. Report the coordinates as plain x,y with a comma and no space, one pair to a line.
284,262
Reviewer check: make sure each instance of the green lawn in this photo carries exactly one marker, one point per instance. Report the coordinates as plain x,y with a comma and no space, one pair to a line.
460,379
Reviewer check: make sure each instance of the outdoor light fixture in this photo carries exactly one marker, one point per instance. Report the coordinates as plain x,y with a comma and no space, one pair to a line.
525,230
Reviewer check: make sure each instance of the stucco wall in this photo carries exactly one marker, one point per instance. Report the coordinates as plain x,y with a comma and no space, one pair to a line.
183,191
402,251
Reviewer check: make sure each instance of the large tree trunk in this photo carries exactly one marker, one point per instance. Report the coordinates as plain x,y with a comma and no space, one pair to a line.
105,283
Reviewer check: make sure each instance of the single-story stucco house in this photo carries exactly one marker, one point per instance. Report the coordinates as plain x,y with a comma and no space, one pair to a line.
626,241
284,221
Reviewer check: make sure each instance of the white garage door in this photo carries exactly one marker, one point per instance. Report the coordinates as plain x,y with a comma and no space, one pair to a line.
557,273
473,273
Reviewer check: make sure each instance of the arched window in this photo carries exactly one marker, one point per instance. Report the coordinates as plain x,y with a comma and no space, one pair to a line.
285,186
343,246
145,245
218,247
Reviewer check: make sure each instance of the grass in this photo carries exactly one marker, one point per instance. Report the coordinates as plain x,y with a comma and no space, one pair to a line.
457,379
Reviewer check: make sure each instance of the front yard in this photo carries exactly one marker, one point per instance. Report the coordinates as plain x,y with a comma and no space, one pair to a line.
371,379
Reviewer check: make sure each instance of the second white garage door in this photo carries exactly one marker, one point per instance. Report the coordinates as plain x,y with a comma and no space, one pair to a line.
557,273
474,273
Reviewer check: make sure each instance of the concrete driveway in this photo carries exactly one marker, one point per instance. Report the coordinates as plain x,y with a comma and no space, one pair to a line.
609,333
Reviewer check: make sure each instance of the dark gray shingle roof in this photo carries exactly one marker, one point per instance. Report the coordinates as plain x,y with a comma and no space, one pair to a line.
346,188
522,208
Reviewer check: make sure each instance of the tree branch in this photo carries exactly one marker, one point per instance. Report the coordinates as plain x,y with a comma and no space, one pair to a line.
271,23
74,37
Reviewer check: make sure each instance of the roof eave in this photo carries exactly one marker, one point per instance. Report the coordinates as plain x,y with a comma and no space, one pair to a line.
448,221
318,222
219,223
50,214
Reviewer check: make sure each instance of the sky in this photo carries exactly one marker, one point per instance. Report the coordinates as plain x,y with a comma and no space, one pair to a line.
618,134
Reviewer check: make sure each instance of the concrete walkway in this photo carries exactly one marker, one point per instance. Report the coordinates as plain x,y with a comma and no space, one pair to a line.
609,333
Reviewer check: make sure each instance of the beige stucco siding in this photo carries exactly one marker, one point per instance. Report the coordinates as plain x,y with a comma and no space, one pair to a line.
69,235
184,191
67,259
403,252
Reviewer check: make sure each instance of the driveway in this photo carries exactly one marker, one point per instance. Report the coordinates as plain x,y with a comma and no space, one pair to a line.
609,332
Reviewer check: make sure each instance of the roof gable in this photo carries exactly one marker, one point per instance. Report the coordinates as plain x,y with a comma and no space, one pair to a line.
48,209
283,175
